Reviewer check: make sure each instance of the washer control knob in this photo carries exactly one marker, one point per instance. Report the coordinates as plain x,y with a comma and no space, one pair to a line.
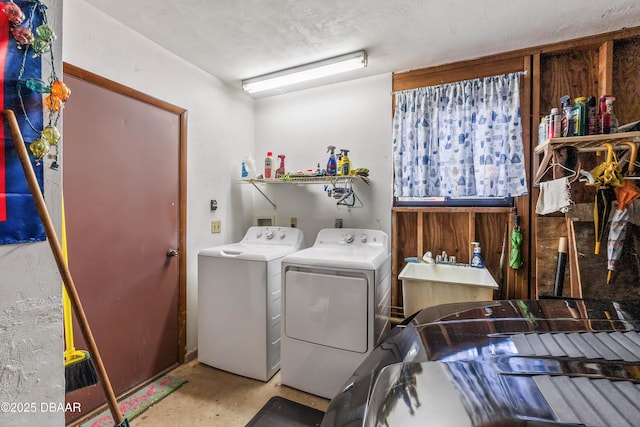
282,235
348,238
258,234
363,238
269,235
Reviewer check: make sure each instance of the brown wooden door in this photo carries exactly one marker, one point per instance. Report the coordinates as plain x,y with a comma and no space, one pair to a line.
121,165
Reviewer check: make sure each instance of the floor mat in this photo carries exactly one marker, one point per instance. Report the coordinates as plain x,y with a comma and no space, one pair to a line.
281,412
138,402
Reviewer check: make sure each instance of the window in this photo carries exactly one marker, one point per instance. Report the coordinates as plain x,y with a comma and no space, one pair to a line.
459,144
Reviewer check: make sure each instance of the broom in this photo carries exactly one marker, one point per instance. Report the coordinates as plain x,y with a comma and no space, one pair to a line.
79,371
62,267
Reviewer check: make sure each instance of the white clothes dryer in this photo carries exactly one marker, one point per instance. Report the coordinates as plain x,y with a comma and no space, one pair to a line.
336,307
239,301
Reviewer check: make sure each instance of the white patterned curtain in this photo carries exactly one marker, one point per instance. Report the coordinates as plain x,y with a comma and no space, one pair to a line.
460,139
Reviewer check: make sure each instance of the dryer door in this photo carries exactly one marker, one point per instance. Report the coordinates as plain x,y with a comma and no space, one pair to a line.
327,309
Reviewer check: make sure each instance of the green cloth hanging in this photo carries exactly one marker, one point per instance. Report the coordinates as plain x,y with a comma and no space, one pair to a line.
515,256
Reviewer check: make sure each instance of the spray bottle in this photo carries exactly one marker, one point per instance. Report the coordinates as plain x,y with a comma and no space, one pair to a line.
346,163
566,126
280,170
331,163
476,259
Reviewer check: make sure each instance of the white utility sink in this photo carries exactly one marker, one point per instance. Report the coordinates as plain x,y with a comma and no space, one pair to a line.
425,285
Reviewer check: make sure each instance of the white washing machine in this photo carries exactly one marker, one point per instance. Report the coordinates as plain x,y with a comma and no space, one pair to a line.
239,301
336,307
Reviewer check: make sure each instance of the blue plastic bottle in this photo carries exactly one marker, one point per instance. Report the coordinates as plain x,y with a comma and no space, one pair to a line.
476,259
331,164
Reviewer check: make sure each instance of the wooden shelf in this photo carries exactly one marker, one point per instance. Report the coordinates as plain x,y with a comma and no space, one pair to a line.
446,209
586,143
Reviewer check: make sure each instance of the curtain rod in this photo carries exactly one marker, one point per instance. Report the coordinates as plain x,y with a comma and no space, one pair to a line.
522,73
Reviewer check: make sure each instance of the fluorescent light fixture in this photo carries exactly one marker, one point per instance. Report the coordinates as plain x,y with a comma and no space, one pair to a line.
303,73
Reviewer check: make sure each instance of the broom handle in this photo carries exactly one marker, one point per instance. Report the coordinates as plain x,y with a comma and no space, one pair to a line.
62,267
69,346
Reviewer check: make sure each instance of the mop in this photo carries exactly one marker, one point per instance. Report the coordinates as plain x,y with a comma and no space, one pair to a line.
62,267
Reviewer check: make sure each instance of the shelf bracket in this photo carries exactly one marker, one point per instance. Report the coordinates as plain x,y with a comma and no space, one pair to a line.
252,182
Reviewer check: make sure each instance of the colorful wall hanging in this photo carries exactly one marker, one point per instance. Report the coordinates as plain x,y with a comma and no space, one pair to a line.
25,38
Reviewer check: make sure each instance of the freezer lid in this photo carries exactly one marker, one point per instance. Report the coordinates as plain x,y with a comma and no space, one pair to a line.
359,258
248,251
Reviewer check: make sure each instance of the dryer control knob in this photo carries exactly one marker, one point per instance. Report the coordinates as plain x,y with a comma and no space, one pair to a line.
363,238
282,235
348,238
258,234
269,235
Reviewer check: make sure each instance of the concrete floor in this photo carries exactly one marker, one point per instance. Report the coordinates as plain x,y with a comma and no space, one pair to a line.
212,398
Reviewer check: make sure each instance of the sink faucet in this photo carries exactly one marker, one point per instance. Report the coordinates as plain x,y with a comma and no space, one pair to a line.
444,258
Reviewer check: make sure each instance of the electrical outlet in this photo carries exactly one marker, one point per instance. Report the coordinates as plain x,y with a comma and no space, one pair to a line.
338,223
215,226
294,222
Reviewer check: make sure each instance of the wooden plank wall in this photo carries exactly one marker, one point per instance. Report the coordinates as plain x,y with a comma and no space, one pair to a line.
418,230
581,67
626,79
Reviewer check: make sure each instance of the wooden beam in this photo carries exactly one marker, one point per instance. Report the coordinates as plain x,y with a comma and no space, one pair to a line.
605,68
472,227
574,260
452,209
420,234
467,70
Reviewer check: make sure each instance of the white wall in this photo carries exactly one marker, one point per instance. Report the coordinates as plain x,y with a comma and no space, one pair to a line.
354,115
225,126
220,124
31,307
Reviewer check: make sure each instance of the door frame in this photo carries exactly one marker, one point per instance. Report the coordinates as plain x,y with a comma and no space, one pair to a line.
121,89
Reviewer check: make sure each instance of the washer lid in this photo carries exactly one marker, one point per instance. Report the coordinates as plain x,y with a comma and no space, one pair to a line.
356,257
248,251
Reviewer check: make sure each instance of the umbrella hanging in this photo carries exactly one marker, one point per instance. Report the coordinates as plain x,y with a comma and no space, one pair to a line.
515,256
625,194
606,175
615,241
608,172
601,211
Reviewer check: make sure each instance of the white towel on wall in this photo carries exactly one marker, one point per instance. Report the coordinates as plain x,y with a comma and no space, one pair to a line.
554,196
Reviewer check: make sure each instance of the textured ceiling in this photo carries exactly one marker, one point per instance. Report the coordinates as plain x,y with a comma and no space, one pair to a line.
238,39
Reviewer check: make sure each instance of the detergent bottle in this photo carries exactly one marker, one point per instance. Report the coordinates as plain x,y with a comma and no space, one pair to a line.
331,163
476,259
268,165
346,163
280,170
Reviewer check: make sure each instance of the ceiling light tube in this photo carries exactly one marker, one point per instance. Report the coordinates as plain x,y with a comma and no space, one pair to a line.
303,73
